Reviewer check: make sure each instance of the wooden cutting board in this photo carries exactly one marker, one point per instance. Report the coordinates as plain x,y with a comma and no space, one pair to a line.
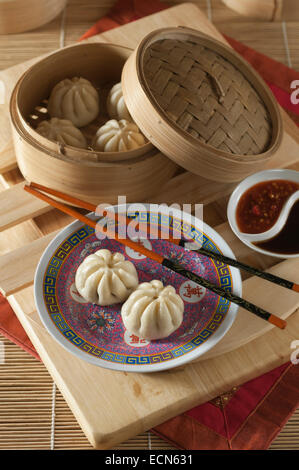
113,406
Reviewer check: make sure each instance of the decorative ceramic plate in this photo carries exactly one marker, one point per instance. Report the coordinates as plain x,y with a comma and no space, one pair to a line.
97,335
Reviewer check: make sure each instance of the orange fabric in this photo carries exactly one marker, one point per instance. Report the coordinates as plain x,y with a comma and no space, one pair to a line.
125,11
271,414
185,432
192,430
12,329
267,67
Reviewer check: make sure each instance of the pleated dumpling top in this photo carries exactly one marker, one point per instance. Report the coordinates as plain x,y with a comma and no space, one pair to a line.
62,131
75,99
106,278
116,105
118,136
153,311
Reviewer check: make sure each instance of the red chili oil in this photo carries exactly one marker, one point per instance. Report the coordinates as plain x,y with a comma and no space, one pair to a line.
287,240
259,207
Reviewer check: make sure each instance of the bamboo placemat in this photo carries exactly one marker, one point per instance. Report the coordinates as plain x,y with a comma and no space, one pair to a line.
33,414
79,15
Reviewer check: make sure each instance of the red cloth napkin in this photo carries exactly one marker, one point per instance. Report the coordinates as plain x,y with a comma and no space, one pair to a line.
247,417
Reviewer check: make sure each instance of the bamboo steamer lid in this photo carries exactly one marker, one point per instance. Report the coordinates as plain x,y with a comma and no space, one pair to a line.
201,104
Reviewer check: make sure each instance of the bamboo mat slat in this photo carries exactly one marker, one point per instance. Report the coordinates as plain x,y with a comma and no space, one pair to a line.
34,43
26,388
274,45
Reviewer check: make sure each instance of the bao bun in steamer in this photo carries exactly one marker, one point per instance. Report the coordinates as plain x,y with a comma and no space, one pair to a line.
63,131
74,99
116,105
86,174
119,136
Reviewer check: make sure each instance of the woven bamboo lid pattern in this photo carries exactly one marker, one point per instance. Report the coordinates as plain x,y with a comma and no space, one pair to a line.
201,104
207,96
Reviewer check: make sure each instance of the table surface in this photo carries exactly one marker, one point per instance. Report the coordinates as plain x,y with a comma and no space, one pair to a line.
23,379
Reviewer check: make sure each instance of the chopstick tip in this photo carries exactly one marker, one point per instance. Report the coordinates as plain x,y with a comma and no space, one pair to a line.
277,322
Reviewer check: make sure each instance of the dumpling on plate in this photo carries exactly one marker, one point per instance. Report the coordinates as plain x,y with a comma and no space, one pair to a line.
118,136
63,131
116,106
75,99
153,311
106,278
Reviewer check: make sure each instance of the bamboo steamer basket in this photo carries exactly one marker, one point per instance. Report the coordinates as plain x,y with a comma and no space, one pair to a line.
202,105
17,16
97,177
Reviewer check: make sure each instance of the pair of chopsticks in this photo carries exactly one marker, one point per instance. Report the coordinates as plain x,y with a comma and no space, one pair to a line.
39,191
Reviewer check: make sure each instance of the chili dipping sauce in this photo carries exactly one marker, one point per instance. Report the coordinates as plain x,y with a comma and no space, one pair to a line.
259,207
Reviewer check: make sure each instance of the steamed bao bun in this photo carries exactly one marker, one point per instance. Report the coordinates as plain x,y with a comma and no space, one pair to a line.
75,99
106,278
118,136
62,131
153,311
116,106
